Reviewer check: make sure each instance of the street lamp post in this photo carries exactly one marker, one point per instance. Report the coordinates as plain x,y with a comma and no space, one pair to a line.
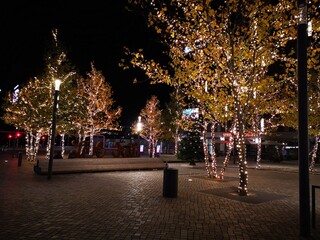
53,125
304,192
139,128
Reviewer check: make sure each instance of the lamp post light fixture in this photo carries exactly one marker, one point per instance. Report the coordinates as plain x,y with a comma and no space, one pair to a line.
53,125
139,124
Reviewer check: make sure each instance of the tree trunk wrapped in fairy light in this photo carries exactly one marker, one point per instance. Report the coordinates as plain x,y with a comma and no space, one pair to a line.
63,146
259,151
48,145
37,143
26,138
213,152
176,142
314,154
91,143
230,147
31,149
205,148
241,146
28,147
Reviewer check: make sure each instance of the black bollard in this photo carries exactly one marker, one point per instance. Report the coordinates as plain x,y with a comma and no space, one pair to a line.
19,159
170,182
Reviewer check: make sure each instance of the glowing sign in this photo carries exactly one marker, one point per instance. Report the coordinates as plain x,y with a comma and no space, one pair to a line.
15,94
191,113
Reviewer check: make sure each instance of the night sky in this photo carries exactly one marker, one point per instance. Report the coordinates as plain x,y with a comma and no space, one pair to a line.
92,31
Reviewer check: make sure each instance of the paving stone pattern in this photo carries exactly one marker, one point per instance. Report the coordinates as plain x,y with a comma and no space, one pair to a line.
130,205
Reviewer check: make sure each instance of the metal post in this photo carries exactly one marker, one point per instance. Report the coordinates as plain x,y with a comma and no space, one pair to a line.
304,192
139,129
53,132
139,142
234,150
19,159
313,206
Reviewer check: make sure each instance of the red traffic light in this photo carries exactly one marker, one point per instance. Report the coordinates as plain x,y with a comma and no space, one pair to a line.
18,134
10,136
43,137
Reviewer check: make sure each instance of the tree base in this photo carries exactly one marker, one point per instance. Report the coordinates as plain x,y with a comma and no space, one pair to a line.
242,192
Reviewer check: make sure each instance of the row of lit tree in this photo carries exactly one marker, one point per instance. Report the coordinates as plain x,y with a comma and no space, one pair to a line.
85,105
237,61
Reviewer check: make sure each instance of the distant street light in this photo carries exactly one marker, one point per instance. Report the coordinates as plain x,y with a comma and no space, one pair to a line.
53,126
139,124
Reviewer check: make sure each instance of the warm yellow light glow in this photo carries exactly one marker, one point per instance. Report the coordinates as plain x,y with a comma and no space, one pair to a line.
139,124
57,84
262,124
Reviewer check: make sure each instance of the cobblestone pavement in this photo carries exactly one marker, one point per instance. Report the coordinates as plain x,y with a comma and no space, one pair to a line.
130,205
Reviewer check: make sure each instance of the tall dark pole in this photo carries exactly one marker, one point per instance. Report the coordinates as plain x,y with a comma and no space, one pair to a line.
139,142
304,191
53,129
139,128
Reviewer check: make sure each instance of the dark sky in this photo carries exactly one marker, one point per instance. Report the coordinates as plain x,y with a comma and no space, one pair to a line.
92,31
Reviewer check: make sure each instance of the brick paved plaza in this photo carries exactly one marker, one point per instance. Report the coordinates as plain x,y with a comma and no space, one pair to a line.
130,205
